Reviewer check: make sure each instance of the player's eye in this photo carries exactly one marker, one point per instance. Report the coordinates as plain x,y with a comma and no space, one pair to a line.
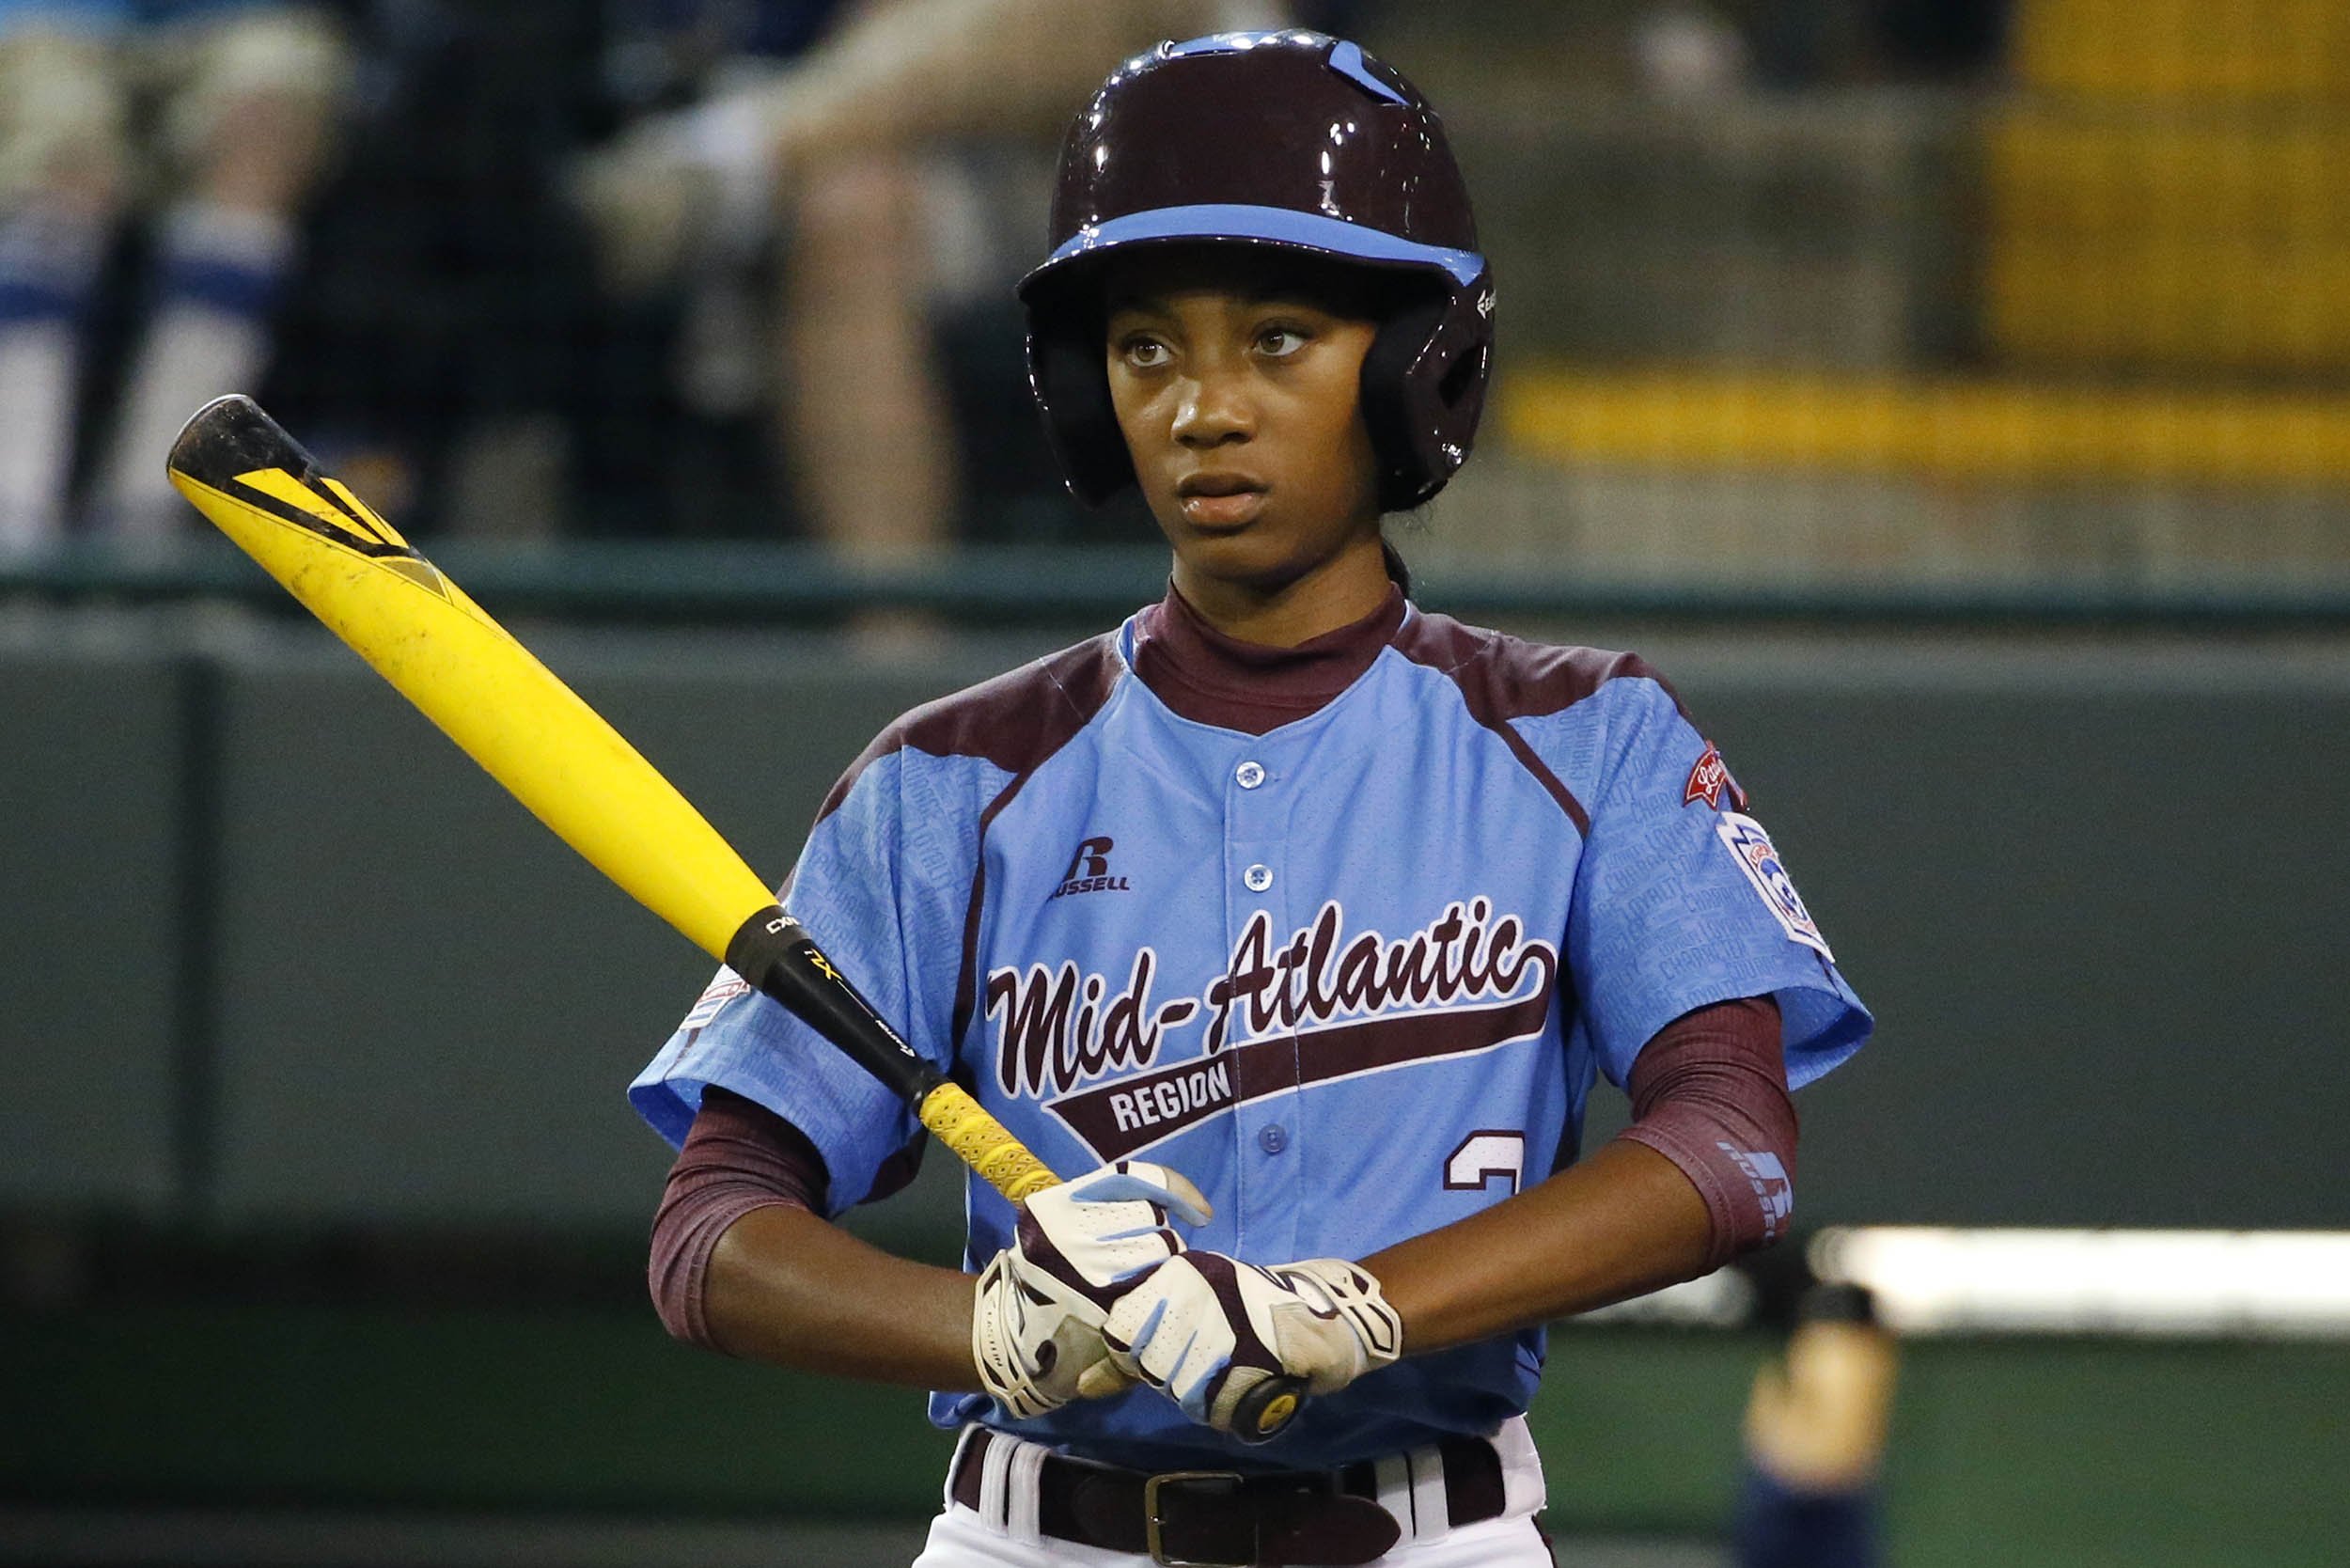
1279,342
1143,354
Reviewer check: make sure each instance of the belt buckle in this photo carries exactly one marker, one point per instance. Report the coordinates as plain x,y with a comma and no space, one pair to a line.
1152,1486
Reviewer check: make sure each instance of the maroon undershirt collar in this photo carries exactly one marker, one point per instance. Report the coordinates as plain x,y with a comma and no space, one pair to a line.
1213,679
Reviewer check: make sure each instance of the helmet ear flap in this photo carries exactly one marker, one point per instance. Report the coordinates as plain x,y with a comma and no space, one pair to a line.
1423,387
1066,373
1387,398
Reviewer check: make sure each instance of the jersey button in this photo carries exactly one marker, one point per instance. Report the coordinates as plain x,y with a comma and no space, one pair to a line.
1272,1137
1250,775
1257,878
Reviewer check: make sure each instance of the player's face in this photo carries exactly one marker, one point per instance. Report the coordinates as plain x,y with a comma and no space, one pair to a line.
1238,389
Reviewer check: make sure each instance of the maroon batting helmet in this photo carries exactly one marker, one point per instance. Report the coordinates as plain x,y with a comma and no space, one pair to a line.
1291,140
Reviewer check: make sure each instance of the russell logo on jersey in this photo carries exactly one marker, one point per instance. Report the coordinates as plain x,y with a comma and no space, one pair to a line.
1089,871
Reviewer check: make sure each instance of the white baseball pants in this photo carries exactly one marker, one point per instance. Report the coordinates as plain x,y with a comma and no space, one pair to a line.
1002,1533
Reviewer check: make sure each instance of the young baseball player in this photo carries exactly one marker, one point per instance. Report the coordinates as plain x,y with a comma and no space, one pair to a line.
1300,918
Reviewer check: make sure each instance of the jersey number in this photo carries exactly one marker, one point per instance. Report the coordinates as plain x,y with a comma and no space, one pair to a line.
1483,1156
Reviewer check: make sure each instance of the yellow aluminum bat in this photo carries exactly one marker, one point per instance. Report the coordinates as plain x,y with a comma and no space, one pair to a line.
554,753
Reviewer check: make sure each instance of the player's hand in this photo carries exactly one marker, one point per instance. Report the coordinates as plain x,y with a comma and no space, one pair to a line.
1036,1327
1207,1328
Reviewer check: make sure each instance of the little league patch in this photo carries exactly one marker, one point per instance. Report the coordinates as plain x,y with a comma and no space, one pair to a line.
1752,849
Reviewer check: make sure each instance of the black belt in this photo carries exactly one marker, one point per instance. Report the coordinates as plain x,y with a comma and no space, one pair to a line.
1224,1519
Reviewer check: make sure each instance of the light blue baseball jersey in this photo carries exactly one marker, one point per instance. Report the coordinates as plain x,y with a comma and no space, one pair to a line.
1344,934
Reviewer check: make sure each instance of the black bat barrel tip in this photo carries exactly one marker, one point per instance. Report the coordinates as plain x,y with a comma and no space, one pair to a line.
239,404
231,435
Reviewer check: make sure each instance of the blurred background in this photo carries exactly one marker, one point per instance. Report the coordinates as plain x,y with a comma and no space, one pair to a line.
1954,396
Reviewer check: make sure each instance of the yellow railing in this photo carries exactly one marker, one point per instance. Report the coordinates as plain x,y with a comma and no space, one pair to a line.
2236,51
1974,429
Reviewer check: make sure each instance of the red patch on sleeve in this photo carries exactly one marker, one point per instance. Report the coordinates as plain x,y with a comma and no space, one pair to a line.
1710,779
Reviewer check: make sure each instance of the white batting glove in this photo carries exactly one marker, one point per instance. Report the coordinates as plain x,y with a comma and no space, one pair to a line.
1036,1327
1207,1328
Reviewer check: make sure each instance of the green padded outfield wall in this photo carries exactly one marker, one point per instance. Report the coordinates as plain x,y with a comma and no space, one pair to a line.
2095,891
93,896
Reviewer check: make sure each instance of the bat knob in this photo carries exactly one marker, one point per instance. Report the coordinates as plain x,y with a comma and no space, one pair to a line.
1267,1408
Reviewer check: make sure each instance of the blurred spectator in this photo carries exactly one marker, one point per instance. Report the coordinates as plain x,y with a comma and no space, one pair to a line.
1815,1434
446,349
834,127
215,115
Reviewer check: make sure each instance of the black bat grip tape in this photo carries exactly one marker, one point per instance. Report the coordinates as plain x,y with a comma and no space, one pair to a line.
1267,1409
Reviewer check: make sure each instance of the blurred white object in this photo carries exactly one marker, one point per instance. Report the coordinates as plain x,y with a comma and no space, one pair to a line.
2192,1284
1722,1299
1688,51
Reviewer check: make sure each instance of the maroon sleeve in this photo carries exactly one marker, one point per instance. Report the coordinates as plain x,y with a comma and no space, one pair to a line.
738,1156
1709,1092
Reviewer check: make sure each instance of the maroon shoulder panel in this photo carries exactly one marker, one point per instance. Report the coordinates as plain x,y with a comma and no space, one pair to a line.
1015,721
1504,677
